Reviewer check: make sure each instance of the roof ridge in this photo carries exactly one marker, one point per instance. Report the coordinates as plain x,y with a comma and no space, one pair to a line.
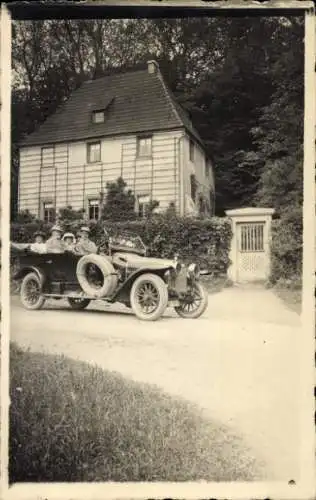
110,75
169,98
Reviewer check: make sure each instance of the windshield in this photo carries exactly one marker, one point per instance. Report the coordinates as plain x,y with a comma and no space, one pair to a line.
126,242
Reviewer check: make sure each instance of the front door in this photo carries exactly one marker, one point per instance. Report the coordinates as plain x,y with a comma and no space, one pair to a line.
251,251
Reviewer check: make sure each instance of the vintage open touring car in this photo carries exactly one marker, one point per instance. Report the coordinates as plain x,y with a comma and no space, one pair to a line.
119,272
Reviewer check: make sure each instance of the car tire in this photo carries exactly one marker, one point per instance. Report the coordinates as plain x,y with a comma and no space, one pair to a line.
78,304
109,276
31,292
184,309
149,290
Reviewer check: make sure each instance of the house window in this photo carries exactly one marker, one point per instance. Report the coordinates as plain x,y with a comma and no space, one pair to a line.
48,211
94,152
144,146
191,150
143,205
48,157
98,116
193,186
94,209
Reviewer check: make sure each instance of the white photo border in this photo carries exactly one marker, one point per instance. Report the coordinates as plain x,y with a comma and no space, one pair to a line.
108,490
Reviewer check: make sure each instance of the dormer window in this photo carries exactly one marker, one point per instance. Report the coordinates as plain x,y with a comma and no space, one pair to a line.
98,116
101,109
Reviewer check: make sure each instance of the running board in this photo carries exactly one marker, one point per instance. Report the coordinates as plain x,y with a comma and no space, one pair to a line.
72,296
171,302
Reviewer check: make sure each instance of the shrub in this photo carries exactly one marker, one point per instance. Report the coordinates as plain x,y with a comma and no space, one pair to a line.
70,421
25,216
286,246
23,233
119,202
68,214
203,240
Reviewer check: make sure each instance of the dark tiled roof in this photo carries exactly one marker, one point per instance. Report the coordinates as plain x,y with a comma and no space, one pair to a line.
137,102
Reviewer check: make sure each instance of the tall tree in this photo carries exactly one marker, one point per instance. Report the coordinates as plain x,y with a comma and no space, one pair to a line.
278,136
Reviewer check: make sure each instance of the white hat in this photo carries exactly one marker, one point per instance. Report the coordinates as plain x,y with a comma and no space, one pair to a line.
85,229
68,235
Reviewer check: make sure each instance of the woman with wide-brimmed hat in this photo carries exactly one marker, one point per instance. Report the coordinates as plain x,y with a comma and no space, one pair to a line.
54,244
39,244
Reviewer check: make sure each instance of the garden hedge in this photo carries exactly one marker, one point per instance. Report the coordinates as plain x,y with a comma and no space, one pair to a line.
287,246
205,241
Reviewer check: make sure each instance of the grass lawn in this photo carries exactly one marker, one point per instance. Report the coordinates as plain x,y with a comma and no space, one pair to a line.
70,421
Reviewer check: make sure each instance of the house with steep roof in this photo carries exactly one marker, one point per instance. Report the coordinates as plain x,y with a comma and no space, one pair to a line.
124,125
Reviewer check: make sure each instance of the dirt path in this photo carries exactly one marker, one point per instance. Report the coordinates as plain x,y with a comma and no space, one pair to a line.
241,368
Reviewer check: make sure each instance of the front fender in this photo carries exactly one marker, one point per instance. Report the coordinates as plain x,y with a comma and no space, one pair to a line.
124,289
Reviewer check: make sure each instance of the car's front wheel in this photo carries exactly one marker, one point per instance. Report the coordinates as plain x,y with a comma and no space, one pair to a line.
78,304
31,292
194,303
149,297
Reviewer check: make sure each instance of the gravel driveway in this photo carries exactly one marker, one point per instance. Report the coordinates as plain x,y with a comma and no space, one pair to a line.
239,362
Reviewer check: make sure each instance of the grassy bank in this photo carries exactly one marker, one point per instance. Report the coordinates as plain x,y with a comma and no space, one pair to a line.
290,292
215,284
70,421
291,298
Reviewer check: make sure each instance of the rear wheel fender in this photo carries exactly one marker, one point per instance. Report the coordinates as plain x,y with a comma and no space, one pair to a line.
30,269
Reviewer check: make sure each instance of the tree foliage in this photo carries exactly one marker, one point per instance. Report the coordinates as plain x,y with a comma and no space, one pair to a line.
119,202
278,136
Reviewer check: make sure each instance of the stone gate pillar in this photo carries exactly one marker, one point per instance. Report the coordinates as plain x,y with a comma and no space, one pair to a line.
250,245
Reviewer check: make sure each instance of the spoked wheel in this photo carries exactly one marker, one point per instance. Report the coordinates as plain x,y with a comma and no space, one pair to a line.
31,292
194,303
78,304
149,297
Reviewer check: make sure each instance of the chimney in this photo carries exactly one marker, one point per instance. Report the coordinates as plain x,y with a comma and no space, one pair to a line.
152,67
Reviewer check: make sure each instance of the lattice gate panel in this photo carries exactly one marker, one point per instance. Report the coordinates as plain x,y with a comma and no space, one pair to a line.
253,264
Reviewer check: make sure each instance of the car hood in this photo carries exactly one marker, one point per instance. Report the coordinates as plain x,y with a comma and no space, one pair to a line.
137,261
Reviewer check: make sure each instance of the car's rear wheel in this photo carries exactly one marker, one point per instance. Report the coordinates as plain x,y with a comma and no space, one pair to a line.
31,292
194,303
149,297
78,304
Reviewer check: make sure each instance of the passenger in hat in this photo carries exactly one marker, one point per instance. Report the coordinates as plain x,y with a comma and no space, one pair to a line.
54,244
85,245
39,244
69,241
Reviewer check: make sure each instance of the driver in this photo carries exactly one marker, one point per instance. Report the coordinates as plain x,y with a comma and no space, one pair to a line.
54,244
85,245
